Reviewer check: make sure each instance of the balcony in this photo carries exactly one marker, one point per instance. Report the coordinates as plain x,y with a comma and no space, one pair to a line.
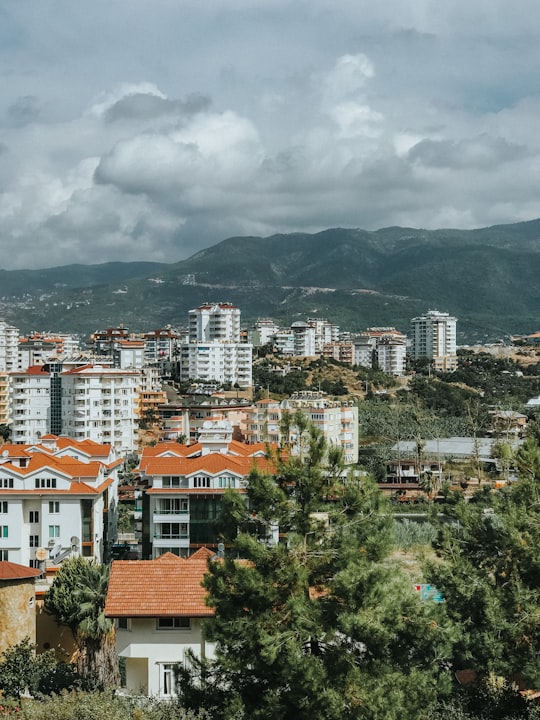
163,516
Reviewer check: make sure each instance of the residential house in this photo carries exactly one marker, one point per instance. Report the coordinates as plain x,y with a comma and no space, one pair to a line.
159,607
184,487
57,498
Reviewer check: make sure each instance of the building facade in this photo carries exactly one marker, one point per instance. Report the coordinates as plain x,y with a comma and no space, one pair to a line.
184,487
434,338
57,498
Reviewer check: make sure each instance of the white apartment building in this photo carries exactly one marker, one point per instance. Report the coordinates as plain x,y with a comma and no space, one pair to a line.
57,498
325,332
5,405
223,362
41,348
216,322
263,332
284,342
9,344
364,350
304,339
337,421
434,338
30,401
160,345
100,403
391,353
214,351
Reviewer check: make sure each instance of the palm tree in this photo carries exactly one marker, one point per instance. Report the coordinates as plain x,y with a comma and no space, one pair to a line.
77,599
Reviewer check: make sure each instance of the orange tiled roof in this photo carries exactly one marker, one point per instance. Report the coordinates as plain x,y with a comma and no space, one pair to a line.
213,464
14,571
166,587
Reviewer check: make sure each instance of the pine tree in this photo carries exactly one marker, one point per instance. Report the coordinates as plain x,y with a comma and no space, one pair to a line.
323,623
489,576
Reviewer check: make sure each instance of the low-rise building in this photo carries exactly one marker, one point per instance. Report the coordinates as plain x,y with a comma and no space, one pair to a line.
57,498
184,487
159,619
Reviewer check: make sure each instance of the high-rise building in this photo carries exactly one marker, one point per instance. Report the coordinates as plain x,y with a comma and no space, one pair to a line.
214,323
9,346
434,338
214,352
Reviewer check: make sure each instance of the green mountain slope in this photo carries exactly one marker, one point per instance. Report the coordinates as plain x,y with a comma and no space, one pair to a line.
487,277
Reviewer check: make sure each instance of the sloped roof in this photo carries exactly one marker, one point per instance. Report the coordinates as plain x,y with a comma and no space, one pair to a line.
167,587
213,464
13,571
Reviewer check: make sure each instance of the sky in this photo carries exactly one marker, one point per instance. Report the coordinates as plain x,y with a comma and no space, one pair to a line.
150,129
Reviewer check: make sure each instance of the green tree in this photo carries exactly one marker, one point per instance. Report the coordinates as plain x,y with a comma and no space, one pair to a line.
489,575
77,599
22,671
324,623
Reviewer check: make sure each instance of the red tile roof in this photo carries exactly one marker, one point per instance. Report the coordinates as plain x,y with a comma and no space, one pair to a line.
13,571
167,587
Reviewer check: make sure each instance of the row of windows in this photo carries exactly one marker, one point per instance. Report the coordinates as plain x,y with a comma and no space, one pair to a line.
163,623
45,482
199,481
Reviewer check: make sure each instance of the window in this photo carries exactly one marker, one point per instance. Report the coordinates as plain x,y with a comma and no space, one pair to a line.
225,481
174,481
123,623
4,555
54,531
33,516
168,680
45,482
172,531
3,531
174,623
54,507
172,506
34,541
3,507
201,481
6,483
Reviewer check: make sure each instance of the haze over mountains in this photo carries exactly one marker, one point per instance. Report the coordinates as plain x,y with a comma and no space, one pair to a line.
488,278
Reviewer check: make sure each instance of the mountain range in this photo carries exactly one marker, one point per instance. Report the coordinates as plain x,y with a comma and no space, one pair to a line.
488,278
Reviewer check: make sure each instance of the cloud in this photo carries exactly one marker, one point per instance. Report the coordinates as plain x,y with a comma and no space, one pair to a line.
130,131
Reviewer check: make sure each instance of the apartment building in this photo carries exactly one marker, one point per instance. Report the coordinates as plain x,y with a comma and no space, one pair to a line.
57,498
41,348
160,345
30,401
304,339
337,421
9,342
100,403
214,351
434,338
391,354
184,487
217,322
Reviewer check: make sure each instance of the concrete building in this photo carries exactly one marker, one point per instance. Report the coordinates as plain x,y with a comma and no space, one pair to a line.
30,400
155,630
214,351
434,338
184,487
304,339
337,421
217,322
100,403
9,346
57,498
391,354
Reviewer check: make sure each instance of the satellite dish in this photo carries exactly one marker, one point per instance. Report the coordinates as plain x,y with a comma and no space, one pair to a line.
57,549
74,541
5,453
41,554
